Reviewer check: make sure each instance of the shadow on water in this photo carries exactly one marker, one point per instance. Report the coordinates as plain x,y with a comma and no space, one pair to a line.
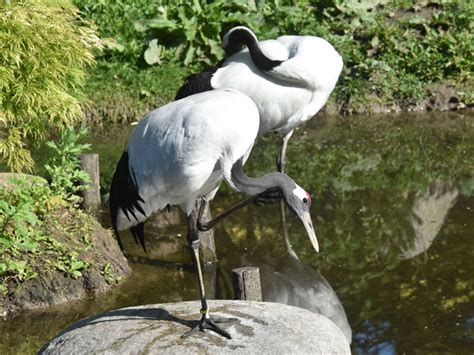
394,213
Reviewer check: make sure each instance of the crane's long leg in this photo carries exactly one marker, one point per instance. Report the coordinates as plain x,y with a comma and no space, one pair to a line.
281,162
284,227
205,322
266,196
282,156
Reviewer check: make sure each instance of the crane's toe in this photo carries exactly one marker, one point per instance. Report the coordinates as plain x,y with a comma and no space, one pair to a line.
207,323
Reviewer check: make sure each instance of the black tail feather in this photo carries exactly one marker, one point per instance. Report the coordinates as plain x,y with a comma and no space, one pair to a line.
119,241
139,234
197,83
124,195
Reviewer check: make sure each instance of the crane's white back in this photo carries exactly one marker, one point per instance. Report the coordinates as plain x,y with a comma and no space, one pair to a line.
293,91
182,150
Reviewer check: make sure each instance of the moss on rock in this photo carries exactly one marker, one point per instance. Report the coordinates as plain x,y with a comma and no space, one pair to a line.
51,252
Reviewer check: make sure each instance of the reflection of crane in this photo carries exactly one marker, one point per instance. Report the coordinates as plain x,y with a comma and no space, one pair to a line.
289,78
181,152
301,286
428,214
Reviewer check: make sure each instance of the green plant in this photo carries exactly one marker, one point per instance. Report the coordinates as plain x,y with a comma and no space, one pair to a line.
69,264
109,274
45,48
27,219
21,211
64,166
195,28
115,19
394,51
29,213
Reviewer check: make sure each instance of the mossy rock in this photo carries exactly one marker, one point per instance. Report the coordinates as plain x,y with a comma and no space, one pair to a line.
8,179
76,234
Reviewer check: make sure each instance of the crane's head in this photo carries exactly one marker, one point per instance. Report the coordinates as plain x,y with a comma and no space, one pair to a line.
235,39
299,201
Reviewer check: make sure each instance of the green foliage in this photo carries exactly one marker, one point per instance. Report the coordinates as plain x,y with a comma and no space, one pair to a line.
29,213
195,27
393,50
115,20
109,274
70,265
64,166
45,48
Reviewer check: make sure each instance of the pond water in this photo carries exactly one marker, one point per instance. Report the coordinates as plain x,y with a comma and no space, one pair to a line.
393,207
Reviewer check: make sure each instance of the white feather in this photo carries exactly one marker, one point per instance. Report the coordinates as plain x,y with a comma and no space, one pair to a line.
182,150
293,91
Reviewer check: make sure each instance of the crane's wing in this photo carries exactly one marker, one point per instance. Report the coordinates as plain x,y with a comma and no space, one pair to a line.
312,62
196,83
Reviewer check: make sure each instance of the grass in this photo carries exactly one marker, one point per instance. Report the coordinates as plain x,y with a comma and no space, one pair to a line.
398,55
120,92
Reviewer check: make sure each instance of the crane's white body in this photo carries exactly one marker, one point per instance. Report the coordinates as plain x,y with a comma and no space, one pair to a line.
290,93
181,151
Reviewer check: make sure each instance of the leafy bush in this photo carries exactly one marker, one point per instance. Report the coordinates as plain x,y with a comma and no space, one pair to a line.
393,50
195,29
115,20
45,48
64,166
29,212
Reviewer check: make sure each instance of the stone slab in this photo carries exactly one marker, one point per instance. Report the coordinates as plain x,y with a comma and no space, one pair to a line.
259,328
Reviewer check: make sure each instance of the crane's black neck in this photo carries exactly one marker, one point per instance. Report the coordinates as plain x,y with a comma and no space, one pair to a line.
243,36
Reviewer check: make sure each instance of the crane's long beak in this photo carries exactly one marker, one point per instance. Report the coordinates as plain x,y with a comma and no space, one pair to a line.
308,225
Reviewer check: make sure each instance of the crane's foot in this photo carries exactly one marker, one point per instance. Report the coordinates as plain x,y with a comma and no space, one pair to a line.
207,323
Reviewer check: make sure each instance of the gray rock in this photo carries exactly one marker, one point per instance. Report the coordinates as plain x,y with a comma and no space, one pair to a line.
259,328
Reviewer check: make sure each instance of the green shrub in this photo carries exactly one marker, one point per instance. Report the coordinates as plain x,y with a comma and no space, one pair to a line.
64,165
45,48
194,28
29,214
393,50
115,20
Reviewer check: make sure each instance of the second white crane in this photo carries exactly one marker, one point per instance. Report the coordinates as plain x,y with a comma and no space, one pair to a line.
289,78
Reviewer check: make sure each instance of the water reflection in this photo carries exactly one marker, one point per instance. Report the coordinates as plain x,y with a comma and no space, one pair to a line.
429,213
296,284
384,190
301,286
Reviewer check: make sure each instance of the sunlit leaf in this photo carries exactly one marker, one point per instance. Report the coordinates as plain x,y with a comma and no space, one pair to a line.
152,54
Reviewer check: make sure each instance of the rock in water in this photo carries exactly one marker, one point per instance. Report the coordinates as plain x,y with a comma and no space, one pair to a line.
259,328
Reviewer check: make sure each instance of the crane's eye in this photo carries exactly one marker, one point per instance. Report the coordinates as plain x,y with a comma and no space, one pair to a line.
305,200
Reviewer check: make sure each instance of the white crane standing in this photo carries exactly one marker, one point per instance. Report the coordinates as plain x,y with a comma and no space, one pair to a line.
289,79
181,152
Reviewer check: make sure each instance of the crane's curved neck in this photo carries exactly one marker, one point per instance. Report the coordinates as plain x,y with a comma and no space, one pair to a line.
243,36
254,186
